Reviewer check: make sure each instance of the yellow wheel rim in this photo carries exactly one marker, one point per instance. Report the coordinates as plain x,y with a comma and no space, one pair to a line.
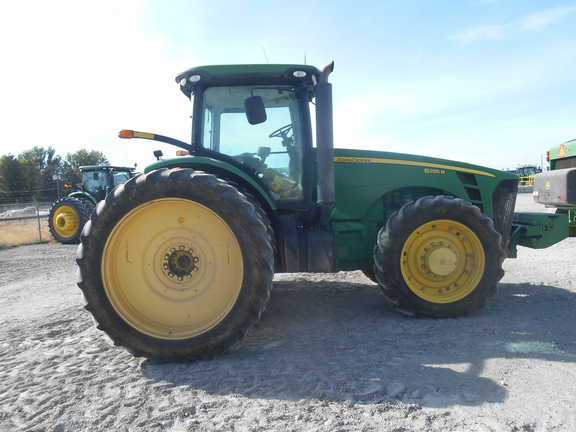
65,221
442,261
172,268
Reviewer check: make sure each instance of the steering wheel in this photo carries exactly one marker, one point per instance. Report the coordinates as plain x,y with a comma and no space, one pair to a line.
288,142
281,132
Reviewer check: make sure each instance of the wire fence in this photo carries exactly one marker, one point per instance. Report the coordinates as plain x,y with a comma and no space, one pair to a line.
22,223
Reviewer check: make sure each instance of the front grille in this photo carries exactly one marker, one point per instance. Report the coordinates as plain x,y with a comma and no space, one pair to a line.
474,195
472,190
503,203
467,178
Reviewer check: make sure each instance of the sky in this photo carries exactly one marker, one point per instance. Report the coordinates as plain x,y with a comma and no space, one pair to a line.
491,82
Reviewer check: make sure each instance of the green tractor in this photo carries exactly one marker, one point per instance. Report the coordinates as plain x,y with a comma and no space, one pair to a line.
68,215
177,264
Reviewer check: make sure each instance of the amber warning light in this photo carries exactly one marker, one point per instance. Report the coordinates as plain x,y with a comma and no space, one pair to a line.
126,133
182,153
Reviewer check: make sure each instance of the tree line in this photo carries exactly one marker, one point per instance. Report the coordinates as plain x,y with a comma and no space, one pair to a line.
42,175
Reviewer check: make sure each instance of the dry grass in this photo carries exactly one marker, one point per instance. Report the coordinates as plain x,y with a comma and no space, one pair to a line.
19,232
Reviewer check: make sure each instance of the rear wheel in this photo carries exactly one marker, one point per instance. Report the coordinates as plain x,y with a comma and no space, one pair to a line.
67,218
439,257
176,265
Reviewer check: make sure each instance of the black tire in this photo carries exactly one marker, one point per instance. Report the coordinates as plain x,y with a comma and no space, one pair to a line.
261,212
439,257
370,273
66,219
176,265
88,203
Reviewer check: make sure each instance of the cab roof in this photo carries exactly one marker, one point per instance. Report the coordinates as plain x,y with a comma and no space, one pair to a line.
105,168
246,74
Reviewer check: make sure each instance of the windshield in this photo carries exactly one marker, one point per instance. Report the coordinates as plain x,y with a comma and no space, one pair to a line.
272,150
120,177
94,180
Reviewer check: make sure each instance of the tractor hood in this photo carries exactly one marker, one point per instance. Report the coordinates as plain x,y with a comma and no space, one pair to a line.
425,164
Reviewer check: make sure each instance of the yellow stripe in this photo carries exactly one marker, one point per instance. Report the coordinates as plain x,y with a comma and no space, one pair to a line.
361,160
143,135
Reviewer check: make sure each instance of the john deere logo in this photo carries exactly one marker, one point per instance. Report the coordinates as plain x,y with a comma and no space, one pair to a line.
548,184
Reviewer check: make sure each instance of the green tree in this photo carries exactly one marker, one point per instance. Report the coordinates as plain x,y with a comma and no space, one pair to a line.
12,178
30,175
31,180
48,165
71,166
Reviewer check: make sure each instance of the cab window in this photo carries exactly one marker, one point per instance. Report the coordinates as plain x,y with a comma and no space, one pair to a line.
271,150
120,177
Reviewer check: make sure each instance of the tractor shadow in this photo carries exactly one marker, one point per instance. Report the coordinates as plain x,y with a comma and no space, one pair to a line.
324,339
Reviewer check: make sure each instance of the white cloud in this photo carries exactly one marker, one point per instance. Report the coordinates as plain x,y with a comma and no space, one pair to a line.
543,19
532,22
495,32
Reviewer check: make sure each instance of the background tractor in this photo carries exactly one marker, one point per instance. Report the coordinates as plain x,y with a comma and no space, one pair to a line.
556,188
68,215
177,263
527,173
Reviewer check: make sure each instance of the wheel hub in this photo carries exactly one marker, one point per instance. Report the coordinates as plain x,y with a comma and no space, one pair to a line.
180,263
441,260
65,221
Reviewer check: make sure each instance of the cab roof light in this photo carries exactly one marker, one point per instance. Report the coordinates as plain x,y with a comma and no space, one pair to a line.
191,78
182,152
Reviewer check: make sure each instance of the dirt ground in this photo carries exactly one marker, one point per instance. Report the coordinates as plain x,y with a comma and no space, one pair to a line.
329,354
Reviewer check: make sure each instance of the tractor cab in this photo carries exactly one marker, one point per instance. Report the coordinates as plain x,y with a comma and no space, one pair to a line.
98,181
259,122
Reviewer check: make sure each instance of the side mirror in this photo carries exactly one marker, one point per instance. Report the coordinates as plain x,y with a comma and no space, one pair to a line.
255,110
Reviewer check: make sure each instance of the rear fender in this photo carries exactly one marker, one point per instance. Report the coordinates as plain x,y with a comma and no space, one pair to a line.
84,195
220,169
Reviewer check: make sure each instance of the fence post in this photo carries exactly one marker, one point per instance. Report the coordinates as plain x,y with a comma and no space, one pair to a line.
38,219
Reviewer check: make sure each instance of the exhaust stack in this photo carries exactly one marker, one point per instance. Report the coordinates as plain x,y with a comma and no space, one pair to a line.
325,139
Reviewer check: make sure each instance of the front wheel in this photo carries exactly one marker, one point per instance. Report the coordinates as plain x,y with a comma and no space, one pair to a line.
439,257
176,265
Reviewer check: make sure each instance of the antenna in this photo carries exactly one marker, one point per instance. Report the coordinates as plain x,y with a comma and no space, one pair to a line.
265,56
305,58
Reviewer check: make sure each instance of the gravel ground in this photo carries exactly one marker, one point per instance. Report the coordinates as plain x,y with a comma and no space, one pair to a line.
329,354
